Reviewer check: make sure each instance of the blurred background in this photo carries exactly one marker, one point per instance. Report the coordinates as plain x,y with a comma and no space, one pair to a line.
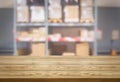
108,20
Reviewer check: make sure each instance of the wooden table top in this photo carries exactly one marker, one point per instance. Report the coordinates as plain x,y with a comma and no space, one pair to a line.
59,67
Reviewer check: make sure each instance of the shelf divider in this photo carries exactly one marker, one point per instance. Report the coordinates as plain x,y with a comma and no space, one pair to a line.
95,27
30,24
15,27
46,25
71,24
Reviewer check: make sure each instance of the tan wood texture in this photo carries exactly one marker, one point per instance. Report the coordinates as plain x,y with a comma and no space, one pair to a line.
59,80
60,67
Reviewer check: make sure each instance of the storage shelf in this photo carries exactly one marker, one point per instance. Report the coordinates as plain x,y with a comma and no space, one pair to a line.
71,24
62,39
30,24
56,24
72,41
30,40
68,39
53,26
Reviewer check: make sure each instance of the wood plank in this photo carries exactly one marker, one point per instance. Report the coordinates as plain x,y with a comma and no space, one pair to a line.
45,62
59,57
59,80
59,67
59,74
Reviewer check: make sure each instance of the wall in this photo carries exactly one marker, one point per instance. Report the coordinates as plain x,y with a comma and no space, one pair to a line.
6,30
108,20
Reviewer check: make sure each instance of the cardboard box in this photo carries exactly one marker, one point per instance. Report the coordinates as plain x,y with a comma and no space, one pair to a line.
34,33
82,49
87,13
55,2
37,14
68,54
42,32
70,15
23,14
22,2
84,34
38,33
23,34
38,49
87,2
115,35
55,12
91,36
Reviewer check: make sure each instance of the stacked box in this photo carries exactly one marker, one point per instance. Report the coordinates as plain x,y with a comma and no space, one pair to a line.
37,14
55,2
68,54
38,33
38,49
87,2
82,49
55,10
23,35
42,32
87,12
91,36
22,2
84,34
23,14
115,35
87,15
87,35
34,34
71,14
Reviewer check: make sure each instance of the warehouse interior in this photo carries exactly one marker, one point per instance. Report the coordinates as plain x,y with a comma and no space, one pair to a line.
61,54
108,20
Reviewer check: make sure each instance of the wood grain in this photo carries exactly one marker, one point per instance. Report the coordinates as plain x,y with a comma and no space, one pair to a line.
60,74
59,80
59,67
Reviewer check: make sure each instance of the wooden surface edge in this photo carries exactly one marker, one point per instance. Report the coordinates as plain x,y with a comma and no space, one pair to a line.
58,67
